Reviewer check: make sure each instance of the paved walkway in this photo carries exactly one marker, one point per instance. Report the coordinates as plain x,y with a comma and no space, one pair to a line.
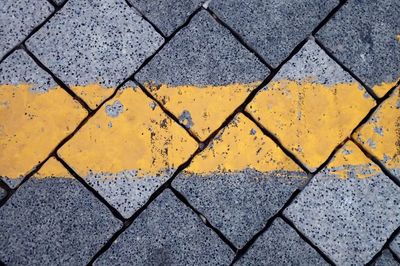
161,132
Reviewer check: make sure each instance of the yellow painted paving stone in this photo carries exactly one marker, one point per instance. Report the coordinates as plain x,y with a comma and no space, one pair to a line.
202,75
35,115
240,180
349,209
311,105
380,135
128,149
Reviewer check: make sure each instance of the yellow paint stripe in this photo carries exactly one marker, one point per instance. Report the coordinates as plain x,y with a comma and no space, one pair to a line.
310,119
32,124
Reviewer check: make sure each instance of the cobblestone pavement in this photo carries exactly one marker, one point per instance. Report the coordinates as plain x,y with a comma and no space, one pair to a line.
194,132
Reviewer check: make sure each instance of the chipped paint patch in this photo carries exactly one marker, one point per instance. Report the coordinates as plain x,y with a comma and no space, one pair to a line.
32,124
383,131
115,109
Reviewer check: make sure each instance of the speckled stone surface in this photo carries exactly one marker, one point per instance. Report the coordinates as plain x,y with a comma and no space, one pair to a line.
169,233
18,18
364,35
203,53
240,203
165,14
351,217
281,245
95,42
386,259
395,245
53,221
275,27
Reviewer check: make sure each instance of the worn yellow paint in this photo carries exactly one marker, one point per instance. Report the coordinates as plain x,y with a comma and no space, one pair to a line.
398,37
32,124
53,168
381,89
139,138
208,106
350,161
311,119
241,145
93,94
381,134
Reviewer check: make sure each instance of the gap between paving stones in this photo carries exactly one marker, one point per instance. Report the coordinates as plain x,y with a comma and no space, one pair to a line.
386,246
202,145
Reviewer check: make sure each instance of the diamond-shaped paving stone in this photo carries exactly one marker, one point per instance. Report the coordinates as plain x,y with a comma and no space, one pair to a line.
35,114
386,259
128,149
202,75
380,135
94,45
240,180
274,27
167,233
395,245
281,245
349,209
365,36
18,18
165,14
311,105
52,219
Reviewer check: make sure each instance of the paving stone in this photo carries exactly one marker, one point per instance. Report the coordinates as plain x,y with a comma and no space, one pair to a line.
35,114
240,180
386,259
167,15
364,36
395,245
281,245
52,219
167,233
380,135
311,105
273,28
99,42
18,18
349,209
128,149
202,75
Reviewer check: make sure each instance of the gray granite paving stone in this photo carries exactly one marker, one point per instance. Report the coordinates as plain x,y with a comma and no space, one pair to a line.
167,233
364,36
386,259
351,217
165,14
274,27
203,53
95,42
395,245
18,18
53,221
281,245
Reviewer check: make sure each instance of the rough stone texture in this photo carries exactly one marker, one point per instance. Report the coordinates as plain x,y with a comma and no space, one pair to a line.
275,27
348,211
386,259
169,233
18,18
165,14
281,245
364,35
395,245
311,105
203,53
239,203
53,221
95,42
